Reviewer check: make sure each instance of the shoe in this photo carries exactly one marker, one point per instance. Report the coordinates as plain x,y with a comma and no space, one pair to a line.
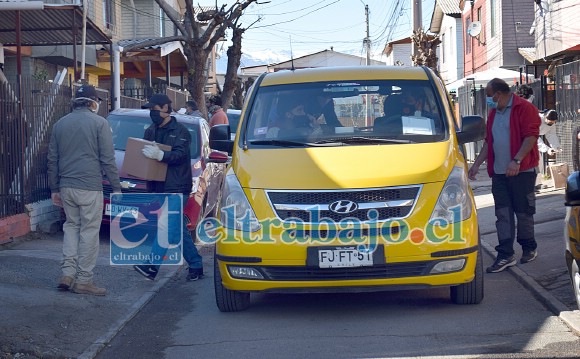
148,271
88,288
501,264
528,256
194,274
65,283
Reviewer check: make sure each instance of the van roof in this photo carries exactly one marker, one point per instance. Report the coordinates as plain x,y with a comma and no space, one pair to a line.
344,73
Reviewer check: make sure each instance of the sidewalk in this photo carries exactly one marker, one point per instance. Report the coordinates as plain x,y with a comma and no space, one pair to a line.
546,277
38,321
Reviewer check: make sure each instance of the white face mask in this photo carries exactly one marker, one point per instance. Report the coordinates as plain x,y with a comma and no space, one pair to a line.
531,99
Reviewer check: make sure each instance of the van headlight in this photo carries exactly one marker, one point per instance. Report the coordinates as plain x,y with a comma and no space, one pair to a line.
454,202
236,211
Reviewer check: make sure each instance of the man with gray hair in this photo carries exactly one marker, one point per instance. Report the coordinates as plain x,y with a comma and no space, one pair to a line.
511,152
80,150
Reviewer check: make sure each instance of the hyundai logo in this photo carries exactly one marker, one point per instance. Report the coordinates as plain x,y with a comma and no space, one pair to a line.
343,207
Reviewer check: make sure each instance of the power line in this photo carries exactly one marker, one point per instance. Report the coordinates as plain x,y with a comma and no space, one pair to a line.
300,17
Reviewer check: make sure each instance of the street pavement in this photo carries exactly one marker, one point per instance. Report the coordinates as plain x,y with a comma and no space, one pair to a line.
36,320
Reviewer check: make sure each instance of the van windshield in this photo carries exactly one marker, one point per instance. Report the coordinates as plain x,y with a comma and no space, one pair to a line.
346,113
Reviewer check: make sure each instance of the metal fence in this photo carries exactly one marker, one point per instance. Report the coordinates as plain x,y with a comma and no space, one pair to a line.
471,101
134,97
567,99
24,137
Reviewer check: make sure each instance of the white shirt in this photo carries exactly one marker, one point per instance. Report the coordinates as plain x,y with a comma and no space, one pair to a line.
551,136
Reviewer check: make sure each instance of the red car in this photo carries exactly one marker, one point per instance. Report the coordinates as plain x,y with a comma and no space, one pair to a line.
206,176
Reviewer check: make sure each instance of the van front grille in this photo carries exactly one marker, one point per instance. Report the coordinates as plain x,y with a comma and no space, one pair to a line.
371,205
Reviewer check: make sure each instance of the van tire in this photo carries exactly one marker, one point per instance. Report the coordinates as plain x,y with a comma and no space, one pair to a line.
228,300
472,292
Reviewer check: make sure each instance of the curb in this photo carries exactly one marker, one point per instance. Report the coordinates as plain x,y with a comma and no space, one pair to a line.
569,317
93,350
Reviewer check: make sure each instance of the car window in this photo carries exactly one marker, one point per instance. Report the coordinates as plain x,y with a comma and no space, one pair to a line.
124,127
326,111
234,120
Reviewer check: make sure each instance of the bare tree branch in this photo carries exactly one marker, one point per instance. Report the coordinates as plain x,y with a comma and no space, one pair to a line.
170,12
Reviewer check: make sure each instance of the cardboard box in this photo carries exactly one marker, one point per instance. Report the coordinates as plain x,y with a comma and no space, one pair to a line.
559,173
136,164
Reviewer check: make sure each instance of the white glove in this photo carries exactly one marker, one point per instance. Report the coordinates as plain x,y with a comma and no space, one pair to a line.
153,152
551,151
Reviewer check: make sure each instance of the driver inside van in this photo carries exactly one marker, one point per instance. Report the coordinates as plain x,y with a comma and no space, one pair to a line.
292,121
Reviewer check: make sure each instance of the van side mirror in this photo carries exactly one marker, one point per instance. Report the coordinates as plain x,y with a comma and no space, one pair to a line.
472,129
219,139
572,193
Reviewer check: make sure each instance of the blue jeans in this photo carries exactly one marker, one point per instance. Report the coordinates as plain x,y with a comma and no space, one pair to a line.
190,253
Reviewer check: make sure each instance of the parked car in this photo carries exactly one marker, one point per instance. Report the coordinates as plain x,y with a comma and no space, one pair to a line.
234,120
347,179
572,232
206,176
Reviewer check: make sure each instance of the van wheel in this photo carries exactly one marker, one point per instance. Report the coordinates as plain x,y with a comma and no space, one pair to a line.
472,292
575,279
228,300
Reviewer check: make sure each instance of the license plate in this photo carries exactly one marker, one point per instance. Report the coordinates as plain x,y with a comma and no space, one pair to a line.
343,257
118,209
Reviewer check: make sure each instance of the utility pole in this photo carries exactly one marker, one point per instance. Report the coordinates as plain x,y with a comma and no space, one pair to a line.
367,40
417,21
367,43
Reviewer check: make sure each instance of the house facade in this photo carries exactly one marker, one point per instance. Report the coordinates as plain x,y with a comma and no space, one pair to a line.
324,58
398,52
446,22
502,30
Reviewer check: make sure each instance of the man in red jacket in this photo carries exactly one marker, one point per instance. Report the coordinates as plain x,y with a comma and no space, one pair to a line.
512,155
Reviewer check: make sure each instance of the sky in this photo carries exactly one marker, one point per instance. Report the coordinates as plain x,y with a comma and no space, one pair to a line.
307,26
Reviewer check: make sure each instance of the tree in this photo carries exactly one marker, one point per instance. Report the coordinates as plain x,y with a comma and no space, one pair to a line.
199,32
426,49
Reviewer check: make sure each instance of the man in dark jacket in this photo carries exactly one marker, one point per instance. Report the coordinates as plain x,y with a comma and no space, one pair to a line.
166,130
511,151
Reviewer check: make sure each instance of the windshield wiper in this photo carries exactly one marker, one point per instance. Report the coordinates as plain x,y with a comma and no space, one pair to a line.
281,143
360,139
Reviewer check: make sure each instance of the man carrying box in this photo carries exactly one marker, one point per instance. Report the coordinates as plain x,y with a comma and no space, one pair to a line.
166,130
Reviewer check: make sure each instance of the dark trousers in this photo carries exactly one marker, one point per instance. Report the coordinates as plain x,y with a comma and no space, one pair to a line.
514,196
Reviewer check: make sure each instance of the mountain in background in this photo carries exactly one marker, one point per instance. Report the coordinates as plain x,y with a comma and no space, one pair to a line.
255,58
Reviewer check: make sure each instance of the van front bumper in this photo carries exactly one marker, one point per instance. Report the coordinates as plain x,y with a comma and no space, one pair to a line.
387,276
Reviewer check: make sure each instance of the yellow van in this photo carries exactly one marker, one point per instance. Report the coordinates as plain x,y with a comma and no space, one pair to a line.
346,179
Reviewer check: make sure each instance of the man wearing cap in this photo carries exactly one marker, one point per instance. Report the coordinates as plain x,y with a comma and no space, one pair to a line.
166,130
80,150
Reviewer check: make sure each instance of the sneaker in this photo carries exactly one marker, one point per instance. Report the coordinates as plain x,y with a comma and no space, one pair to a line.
88,288
528,256
194,274
501,264
148,271
65,283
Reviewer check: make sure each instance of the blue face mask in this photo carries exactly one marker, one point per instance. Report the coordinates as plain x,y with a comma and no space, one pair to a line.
490,102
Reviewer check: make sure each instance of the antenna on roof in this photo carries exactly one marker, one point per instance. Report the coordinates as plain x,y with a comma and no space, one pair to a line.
291,55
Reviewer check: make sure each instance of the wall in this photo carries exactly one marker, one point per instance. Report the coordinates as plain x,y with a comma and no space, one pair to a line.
516,35
452,68
401,55
559,29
